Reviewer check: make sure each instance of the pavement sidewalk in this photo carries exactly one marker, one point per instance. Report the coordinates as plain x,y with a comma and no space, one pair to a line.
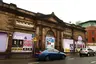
72,54
26,59
35,59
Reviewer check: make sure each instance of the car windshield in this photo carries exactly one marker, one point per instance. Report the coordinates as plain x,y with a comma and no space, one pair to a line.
55,50
84,49
45,51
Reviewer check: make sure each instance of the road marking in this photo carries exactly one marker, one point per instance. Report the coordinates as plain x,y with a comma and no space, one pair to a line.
93,62
33,62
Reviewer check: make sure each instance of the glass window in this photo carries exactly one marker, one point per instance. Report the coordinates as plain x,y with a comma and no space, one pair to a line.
50,50
56,50
90,49
93,33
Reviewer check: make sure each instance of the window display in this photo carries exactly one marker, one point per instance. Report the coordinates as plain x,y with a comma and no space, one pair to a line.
22,42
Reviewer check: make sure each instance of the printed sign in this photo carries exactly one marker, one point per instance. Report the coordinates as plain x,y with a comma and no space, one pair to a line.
50,42
26,38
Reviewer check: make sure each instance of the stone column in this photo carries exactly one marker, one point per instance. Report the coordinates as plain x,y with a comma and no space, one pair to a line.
10,38
37,36
10,35
57,42
43,38
61,42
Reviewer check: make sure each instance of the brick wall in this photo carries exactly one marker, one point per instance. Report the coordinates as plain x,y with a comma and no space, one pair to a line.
91,34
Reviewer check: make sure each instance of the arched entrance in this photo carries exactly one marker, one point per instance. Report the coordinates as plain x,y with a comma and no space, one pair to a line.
50,40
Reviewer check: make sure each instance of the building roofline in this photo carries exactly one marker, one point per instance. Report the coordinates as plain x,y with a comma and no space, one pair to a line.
87,22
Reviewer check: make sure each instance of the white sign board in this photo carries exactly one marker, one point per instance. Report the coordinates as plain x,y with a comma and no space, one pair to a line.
68,45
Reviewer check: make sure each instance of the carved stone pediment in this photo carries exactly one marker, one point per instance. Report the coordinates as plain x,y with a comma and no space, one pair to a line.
52,19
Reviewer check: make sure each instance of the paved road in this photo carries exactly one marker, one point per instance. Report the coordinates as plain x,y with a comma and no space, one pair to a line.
73,60
68,60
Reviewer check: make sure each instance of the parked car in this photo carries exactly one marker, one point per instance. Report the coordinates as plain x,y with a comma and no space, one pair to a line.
87,52
51,54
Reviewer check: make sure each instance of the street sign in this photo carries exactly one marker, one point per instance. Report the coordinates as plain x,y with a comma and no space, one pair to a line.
33,35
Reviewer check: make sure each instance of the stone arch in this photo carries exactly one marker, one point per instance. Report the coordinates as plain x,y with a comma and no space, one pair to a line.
50,33
50,39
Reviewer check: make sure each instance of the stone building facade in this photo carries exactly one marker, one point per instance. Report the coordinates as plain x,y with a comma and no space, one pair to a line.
23,32
73,38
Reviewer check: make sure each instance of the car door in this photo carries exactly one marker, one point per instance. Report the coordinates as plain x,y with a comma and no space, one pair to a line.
91,51
56,54
52,54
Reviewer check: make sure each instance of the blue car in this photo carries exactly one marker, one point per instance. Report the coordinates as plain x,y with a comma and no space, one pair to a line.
51,54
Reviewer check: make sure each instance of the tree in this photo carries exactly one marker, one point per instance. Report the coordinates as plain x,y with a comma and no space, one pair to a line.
78,22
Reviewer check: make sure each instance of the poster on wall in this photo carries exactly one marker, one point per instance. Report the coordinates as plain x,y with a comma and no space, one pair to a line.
71,47
79,44
23,41
3,42
50,42
68,45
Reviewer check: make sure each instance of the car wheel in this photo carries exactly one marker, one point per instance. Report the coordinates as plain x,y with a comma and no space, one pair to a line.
47,58
93,54
63,57
88,54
